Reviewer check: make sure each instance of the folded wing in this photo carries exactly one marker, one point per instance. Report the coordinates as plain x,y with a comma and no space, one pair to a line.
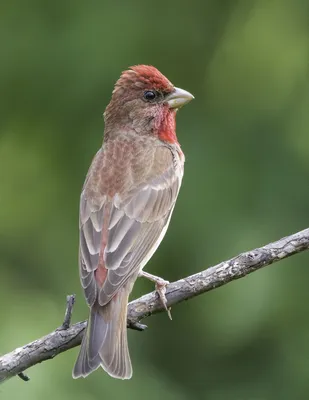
119,234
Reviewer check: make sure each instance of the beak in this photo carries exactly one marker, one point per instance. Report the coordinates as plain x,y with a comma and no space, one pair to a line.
178,98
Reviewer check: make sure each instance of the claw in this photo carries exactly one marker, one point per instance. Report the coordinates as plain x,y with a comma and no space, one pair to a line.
160,289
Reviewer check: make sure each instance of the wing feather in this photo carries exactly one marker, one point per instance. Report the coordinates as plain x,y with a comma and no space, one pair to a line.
135,224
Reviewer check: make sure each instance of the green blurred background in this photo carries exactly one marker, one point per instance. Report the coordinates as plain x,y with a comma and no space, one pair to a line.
246,142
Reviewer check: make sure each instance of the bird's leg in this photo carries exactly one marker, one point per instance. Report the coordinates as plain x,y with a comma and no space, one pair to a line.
160,288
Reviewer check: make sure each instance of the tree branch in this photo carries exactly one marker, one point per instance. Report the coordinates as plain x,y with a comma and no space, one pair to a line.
65,337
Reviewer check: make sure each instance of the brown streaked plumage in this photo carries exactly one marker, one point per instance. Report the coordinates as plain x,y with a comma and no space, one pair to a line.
125,208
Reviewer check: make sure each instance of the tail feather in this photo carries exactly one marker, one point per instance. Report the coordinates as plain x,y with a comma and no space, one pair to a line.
105,342
85,364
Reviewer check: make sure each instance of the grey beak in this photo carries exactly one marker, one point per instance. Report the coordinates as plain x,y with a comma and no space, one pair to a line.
178,98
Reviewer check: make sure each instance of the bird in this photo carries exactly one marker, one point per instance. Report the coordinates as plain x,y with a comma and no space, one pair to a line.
126,204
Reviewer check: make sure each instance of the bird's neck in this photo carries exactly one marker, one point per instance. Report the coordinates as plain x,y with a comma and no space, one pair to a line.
166,130
161,125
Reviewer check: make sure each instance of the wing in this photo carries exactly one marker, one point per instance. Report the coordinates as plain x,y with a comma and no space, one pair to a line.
119,233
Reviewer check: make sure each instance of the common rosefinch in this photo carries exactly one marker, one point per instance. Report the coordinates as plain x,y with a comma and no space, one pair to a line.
125,208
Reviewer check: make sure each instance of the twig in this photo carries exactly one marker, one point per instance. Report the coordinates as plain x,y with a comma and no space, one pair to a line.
60,340
68,312
24,377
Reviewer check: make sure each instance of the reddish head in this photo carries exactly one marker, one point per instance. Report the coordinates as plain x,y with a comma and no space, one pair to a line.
144,101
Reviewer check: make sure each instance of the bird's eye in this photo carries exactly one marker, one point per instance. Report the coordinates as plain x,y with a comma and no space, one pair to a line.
149,95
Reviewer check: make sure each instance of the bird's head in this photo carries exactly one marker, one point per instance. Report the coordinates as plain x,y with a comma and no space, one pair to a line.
145,101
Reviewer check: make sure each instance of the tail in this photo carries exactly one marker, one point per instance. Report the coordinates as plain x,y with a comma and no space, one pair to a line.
105,341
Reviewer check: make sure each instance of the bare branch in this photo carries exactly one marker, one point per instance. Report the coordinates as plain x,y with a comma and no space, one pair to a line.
61,339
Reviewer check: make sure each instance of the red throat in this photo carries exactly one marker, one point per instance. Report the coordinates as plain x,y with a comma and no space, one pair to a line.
167,126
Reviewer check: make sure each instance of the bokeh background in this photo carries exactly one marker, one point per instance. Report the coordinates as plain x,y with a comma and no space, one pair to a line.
246,142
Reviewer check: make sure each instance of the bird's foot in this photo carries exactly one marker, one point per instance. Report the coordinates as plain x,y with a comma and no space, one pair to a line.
160,289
